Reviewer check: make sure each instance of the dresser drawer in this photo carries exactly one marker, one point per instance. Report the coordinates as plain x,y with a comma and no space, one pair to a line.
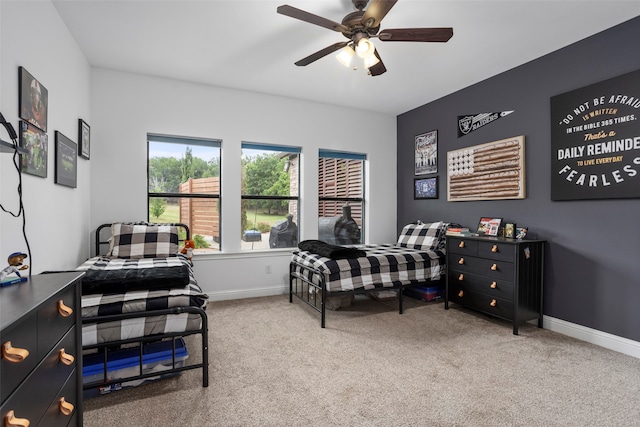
495,288
32,399
496,250
460,245
55,318
54,417
494,269
23,335
481,302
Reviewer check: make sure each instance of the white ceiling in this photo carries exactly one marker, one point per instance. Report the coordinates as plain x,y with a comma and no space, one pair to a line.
245,44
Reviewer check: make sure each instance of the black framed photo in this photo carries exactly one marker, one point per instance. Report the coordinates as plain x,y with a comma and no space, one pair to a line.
36,143
84,139
425,188
426,153
488,226
34,99
66,161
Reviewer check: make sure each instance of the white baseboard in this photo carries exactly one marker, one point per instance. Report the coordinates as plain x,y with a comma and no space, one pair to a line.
593,336
248,293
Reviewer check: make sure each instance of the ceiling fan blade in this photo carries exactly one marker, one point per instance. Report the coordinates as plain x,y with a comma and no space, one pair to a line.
377,10
416,35
379,68
321,53
311,18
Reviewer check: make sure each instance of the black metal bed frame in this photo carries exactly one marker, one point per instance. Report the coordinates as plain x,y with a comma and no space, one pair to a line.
104,348
321,289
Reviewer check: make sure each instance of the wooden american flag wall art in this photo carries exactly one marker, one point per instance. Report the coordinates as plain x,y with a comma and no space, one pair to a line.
490,171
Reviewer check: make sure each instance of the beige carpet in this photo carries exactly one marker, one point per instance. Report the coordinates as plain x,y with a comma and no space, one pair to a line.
272,365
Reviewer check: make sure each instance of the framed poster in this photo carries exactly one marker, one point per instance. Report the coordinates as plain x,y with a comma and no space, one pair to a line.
491,171
84,135
425,188
33,98
66,161
595,141
426,153
36,143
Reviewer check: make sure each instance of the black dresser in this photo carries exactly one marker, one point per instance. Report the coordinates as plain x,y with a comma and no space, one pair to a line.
41,367
497,276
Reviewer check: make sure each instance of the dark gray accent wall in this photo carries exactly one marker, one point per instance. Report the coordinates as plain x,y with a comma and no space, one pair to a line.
592,262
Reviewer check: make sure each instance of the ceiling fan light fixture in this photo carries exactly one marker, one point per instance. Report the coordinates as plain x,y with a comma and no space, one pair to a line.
345,56
365,48
370,61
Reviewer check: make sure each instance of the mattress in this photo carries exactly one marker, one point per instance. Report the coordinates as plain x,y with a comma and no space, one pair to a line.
140,301
384,266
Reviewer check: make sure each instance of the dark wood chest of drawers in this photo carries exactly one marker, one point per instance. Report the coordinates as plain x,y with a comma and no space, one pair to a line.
41,366
497,276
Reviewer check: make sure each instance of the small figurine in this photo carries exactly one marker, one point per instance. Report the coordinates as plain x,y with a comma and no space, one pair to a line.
15,265
187,249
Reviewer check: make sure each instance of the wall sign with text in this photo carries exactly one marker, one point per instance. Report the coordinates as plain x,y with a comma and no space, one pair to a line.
595,141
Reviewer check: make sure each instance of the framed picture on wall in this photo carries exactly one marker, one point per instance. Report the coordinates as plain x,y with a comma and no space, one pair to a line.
84,135
425,188
34,99
36,143
66,161
426,153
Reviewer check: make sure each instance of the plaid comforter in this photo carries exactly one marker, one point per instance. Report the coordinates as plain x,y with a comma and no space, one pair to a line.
383,266
106,303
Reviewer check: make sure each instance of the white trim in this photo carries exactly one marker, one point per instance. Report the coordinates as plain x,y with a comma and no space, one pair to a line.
248,293
593,336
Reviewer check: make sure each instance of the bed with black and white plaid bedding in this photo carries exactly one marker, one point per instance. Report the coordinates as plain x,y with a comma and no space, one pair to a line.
384,266
109,303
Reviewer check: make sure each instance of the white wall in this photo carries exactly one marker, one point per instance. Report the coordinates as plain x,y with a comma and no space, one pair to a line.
33,36
125,107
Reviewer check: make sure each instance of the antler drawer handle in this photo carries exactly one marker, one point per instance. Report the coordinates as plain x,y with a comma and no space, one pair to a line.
493,303
461,277
461,294
461,245
65,407
10,420
13,354
461,261
493,285
65,358
64,310
494,267
494,248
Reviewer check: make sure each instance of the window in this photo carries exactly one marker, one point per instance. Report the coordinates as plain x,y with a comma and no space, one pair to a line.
269,196
341,197
184,186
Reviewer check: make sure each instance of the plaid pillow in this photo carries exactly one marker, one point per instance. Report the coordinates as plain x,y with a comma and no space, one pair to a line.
424,236
143,240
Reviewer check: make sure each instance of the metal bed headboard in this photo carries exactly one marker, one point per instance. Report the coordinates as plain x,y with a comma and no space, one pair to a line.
102,237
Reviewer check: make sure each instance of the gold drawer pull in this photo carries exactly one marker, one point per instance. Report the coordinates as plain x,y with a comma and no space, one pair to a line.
65,407
494,248
493,285
461,277
461,245
64,310
493,303
494,267
13,354
461,294
65,358
11,421
461,261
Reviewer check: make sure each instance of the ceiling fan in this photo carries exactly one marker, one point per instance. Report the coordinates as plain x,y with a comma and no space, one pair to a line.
361,26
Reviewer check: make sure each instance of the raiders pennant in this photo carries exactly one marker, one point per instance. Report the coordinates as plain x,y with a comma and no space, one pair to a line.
469,123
